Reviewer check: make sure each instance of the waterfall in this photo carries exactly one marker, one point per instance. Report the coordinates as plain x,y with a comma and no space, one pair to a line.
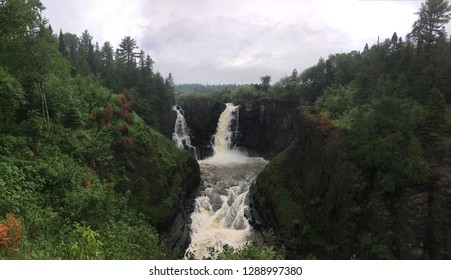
223,139
218,218
181,136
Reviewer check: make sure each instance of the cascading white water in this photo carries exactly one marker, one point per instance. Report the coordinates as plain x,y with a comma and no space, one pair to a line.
218,218
224,135
181,136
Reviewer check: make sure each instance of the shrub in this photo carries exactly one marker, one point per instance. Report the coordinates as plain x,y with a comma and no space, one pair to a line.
11,233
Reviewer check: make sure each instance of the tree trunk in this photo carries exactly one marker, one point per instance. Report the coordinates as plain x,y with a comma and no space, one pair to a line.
45,109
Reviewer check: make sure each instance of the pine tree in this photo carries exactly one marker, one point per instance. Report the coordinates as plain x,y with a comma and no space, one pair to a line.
126,52
433,128
107,65
62,45
126,59
430,25
85,54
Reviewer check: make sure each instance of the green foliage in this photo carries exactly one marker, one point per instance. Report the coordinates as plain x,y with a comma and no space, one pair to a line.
225,93
432,17
433,129
11,97
94,205
93,148
132,242
17,192
277,183
250,251
338,102
158,177
382,252
382,138
200,88
66,140
245,93
83,244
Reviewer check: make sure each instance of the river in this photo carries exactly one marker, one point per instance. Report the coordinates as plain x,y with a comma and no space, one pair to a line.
218,218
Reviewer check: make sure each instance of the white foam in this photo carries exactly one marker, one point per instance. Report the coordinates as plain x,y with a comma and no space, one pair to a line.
227,157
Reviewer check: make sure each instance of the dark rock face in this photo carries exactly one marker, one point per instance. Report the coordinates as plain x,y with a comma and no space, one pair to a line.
266,126
319,202
167,123
178,238
201,116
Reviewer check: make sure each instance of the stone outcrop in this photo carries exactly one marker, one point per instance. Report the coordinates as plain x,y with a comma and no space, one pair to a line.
320,203
167,123
266,126
201,116
179,235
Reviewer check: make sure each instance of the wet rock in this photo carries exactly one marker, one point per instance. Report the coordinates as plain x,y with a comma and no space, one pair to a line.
266,126
201,116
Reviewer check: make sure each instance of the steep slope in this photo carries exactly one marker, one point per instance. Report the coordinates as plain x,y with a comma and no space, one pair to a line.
321,203
159,175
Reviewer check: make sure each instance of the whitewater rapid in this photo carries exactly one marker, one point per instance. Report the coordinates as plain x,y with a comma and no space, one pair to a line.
181,135
218,218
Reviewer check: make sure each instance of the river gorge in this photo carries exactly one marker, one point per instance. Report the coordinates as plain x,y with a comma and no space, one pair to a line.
218,218
269,165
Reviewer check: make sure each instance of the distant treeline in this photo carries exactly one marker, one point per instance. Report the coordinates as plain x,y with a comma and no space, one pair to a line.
393,99
203,88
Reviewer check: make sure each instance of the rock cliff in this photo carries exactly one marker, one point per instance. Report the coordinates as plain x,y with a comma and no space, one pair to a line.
321,203
266,126
201,116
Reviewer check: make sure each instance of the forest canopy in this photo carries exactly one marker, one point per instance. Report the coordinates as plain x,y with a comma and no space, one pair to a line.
71,112
85,173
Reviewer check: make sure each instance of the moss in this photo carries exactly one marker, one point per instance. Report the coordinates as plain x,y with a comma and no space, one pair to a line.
162,171
382,252
276,182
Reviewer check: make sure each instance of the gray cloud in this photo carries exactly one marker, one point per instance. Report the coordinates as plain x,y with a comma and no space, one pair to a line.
213,41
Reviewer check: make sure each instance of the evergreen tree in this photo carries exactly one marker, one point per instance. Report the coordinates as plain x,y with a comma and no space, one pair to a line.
71,41
433,127
265,85
85,54
126,52
62,45
430,25
170,85
126,58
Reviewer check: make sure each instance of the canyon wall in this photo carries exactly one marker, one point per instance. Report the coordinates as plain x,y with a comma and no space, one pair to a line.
321,204
266,126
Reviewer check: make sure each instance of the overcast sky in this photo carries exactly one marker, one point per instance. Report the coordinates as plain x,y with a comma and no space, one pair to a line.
235,41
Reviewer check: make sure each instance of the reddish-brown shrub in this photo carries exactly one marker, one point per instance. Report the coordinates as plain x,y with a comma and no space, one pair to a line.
11,232
107,115
123,129
93,115
129,143
323,120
